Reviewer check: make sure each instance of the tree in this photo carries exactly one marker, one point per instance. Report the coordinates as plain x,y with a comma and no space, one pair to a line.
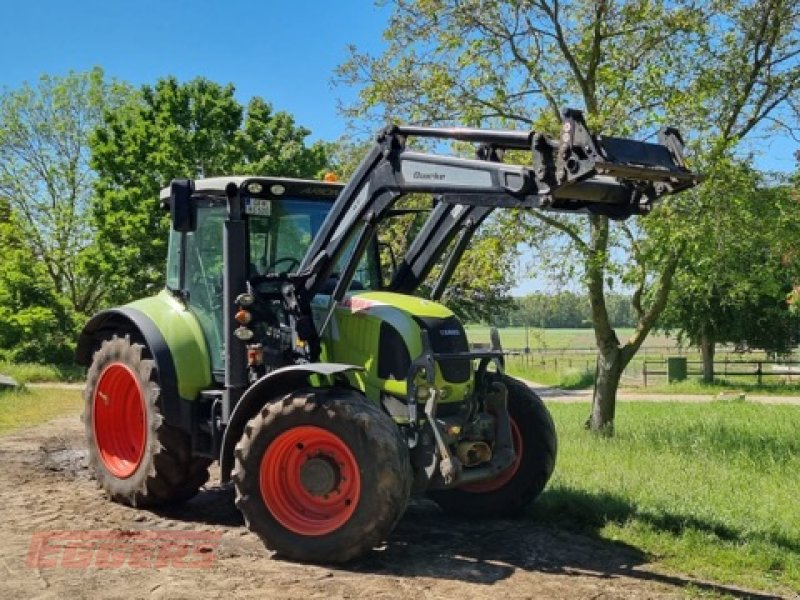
173,130
46,179
733,290
720,70
35,322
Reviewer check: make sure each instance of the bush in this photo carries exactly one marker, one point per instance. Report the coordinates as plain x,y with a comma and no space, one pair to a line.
576,379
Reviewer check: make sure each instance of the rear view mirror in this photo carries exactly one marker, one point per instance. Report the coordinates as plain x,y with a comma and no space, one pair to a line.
182,207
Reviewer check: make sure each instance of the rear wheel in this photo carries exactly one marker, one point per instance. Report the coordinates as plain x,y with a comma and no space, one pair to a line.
137,458
322,475
534,438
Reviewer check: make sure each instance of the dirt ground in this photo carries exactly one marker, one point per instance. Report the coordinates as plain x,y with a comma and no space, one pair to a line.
45,486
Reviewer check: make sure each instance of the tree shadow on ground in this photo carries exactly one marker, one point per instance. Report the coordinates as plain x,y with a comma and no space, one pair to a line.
558,541
587,512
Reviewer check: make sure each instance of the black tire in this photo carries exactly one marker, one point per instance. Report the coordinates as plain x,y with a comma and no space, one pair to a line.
166,473
538,435
379,455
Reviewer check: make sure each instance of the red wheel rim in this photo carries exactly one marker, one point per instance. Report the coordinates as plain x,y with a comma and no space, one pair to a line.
495,484
310,480
118,420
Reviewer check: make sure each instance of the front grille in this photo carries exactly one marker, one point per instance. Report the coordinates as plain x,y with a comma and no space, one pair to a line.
446,336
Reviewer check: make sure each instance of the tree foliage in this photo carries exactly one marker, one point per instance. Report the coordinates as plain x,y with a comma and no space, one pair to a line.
719,70
35,321
177,130
46,179
562,309
741,265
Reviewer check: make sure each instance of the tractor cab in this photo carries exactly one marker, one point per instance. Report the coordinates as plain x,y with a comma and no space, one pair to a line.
280,218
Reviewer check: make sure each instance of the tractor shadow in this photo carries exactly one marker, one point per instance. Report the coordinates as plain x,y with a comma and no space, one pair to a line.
213,505
428,543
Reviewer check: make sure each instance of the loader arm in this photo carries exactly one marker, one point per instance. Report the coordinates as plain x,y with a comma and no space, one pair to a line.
578,172
445,223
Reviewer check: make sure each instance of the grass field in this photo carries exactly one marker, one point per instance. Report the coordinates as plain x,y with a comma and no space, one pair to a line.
710,490
33,406
514,338
574,374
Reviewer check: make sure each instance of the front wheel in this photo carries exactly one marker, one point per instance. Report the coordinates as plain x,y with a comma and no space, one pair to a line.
534,439
322,475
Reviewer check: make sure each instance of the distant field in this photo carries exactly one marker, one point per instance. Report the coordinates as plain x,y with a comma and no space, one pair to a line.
514,338
566,358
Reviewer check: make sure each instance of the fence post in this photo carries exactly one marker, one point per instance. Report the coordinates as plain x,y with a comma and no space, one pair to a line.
758,372
644,373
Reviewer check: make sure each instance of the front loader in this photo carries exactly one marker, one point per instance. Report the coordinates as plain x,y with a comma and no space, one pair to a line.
327,390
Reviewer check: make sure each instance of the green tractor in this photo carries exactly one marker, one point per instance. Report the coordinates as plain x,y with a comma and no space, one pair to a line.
327,390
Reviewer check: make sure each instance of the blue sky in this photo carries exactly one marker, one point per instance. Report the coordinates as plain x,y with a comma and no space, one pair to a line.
283,51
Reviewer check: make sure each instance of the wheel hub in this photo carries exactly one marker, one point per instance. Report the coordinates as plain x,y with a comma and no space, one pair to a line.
119,420
320,475
310,480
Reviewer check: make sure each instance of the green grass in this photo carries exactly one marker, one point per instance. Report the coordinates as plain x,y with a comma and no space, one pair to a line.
36,373
31,407
548,339
709,490
567,378
772,386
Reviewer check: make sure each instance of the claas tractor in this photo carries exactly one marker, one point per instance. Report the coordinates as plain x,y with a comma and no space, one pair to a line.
327,388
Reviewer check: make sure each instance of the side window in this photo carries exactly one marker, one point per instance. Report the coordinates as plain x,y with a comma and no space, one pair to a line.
204,259
174,260
204,272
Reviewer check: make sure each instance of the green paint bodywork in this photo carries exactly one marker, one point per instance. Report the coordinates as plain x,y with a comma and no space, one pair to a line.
353,337
354,334
185,339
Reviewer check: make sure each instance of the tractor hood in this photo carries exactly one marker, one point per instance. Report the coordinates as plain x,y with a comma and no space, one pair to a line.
381,331
377,303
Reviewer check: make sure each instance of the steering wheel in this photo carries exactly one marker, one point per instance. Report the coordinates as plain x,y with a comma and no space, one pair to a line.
268,286
293,264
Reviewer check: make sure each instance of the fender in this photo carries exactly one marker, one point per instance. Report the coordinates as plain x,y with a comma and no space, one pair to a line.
273,385
126,320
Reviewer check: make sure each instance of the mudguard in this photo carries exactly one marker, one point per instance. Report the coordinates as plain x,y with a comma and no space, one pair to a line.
273,385
129,321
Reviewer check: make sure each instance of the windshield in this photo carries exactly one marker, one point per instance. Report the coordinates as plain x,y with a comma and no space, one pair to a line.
282,232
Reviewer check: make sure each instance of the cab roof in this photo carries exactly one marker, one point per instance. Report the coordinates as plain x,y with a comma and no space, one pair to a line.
216,185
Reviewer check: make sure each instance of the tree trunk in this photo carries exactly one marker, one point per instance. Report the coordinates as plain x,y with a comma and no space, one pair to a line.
613,357
707,352
610,365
